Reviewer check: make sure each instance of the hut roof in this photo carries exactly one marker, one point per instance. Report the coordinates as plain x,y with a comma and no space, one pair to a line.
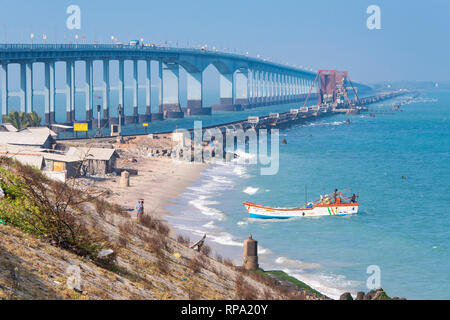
83,153
25,138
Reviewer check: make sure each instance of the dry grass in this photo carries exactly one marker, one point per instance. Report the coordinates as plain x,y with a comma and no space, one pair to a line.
101,206
122,242
193,293
151,223
126,229
228,262
243,290
163,264
195,265
142,266
183,240
206,250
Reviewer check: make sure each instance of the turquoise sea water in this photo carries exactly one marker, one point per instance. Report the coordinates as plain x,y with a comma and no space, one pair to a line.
404,223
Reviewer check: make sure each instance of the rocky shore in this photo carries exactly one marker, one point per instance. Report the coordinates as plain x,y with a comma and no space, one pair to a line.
378,294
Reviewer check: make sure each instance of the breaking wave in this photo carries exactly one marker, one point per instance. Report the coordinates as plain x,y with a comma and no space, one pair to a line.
251,190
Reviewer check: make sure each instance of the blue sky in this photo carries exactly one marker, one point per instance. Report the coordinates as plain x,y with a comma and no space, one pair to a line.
413,43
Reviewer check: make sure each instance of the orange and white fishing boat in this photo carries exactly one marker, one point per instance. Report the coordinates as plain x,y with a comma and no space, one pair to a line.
329,205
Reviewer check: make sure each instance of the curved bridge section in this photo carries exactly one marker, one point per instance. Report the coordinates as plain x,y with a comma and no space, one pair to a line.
245,82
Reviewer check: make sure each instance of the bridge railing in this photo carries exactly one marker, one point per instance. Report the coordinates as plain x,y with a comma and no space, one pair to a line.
148,48
37,46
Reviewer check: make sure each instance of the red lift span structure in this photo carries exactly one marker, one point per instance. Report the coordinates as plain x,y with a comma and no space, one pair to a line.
332,88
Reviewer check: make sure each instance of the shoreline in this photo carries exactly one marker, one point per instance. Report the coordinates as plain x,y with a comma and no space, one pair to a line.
233,249
161,182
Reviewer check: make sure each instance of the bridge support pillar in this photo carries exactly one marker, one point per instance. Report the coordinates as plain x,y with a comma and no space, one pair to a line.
5,93
70,91
89,93
49,92
281,86
254,93
277,87
29,88
303,88
271,88
255,87
106,89
288,90
241,88
259,87
135,90
251,88
284,88
169,104
148,93
274,88
294,87
264,88
121,83
308,86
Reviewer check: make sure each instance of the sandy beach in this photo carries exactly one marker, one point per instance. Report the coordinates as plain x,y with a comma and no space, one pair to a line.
159,180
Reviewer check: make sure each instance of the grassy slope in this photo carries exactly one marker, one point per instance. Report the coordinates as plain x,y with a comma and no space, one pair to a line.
283,276
33,269
148,265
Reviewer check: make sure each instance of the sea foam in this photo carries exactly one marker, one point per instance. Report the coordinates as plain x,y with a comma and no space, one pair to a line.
251,190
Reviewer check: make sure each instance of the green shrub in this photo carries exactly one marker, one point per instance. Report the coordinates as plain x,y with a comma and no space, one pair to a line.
47,209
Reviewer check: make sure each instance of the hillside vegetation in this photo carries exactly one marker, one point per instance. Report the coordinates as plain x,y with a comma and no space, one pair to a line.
58,241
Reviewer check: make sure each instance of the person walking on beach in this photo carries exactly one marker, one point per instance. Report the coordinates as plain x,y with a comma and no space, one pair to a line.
140,208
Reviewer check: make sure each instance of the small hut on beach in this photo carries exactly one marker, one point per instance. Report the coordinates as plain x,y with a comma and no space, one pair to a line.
96,161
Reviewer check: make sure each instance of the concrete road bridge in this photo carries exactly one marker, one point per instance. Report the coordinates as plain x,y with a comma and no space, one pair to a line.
245,82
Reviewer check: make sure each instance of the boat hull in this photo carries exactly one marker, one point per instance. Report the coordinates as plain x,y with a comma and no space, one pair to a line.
334,209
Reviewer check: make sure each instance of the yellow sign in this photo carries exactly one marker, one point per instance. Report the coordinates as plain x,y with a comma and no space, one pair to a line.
145,124
80,127
58,166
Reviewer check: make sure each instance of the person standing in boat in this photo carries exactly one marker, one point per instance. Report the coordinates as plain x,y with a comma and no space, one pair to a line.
353,199
335,194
